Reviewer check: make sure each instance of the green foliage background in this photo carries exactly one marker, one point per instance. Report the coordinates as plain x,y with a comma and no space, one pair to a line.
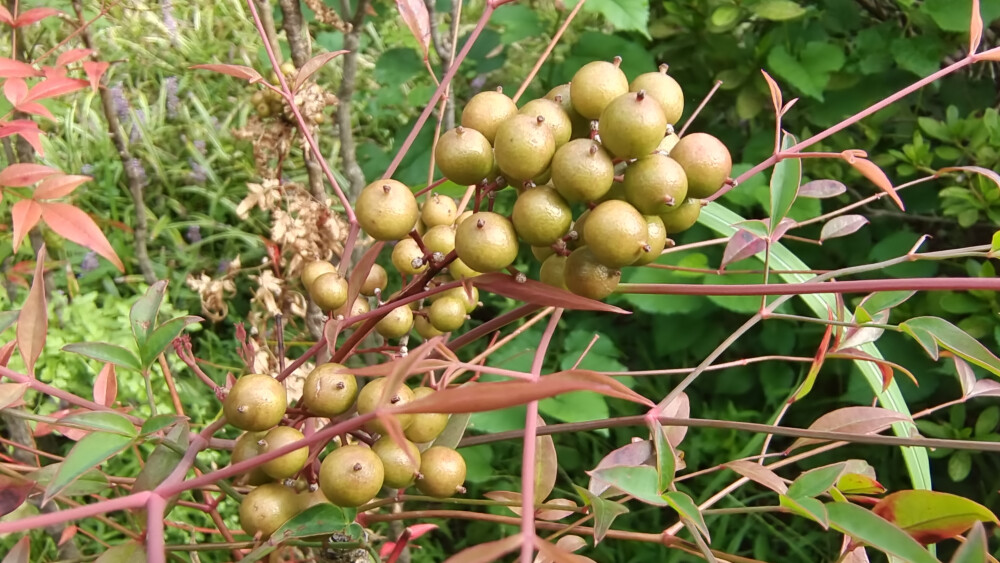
837,56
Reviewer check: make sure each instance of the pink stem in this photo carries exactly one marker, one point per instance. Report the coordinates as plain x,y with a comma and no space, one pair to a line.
156,551
445,81
45,520
530,434
59,393
862,286
848,122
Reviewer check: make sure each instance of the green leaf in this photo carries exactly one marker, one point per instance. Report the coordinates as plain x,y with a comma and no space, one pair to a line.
640,481
745,304
987,421
883,300
777,10
785,182
162,337
518,22
865,526
995,246
974,549
959,466
807,508
159,422
90,483
88,453
816,481
142,316
951,338
320,520
131,552
919,55
397,66
724,16
950,15
8,318
687,509
666,462
105,421
605,511
163,460
624,15
810,70
577,406
104,352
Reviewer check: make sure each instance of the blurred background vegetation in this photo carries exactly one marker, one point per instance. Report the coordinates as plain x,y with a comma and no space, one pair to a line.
837,56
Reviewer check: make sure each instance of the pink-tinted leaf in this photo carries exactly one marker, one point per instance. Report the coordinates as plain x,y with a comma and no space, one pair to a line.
360,271
55,187
75,225
640,481
788,105
27,129
553,514
975,28
33,322
414,13
759,474
238,71
550,553
933,331
852,420
991,174
34,15
9,68
817,364
21,552
546,465
415,531
966,377
571,543
822,189
857,336
857,553
52,87
842,226
25,174
6,351
15,90
496,395
487,552
743,244
511,500
35,108
775,92
634,454
538,293
871,171
24,216
5,16
94,71
13,492
11,393
886,367
985,388
106,386
73,55
678,407
68,533
932,516
314,64
779,231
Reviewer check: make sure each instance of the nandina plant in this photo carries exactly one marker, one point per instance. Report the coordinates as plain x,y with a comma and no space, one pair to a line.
604,172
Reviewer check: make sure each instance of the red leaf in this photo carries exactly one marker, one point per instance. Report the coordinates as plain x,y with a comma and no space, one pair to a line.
775,92
94,71
77,226
871,171
34,15
9,68
24,216
842,226
361,270
854,420
239,71
312,65
55,86
414,13
72,56
55,187
35,108
27,129
5,16
6,351
975,28
487,552
106,386
821,189
743,244
415,530
25,174
33,321
15,89
68,533
538,293
21,552
759,474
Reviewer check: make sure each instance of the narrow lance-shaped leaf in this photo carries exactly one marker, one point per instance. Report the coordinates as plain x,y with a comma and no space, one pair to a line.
686,507
806,507
88,453
870,170
842,226
75,225
822,189
759,474
20,553
605,511
414,14
817,481
104,352
864,526
640,481
785,180
94,71
743,244
775,92
72,55
932,516
53,87
33,321
953,339
34,15
546,465
817,364
11,393
975,28
7,319
991,174
853,420
24,215
106,386
239,71
9,68
55,187
24,174
666,458
487,552
142,315
27,129
312,65
100,421
5,16
163,336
